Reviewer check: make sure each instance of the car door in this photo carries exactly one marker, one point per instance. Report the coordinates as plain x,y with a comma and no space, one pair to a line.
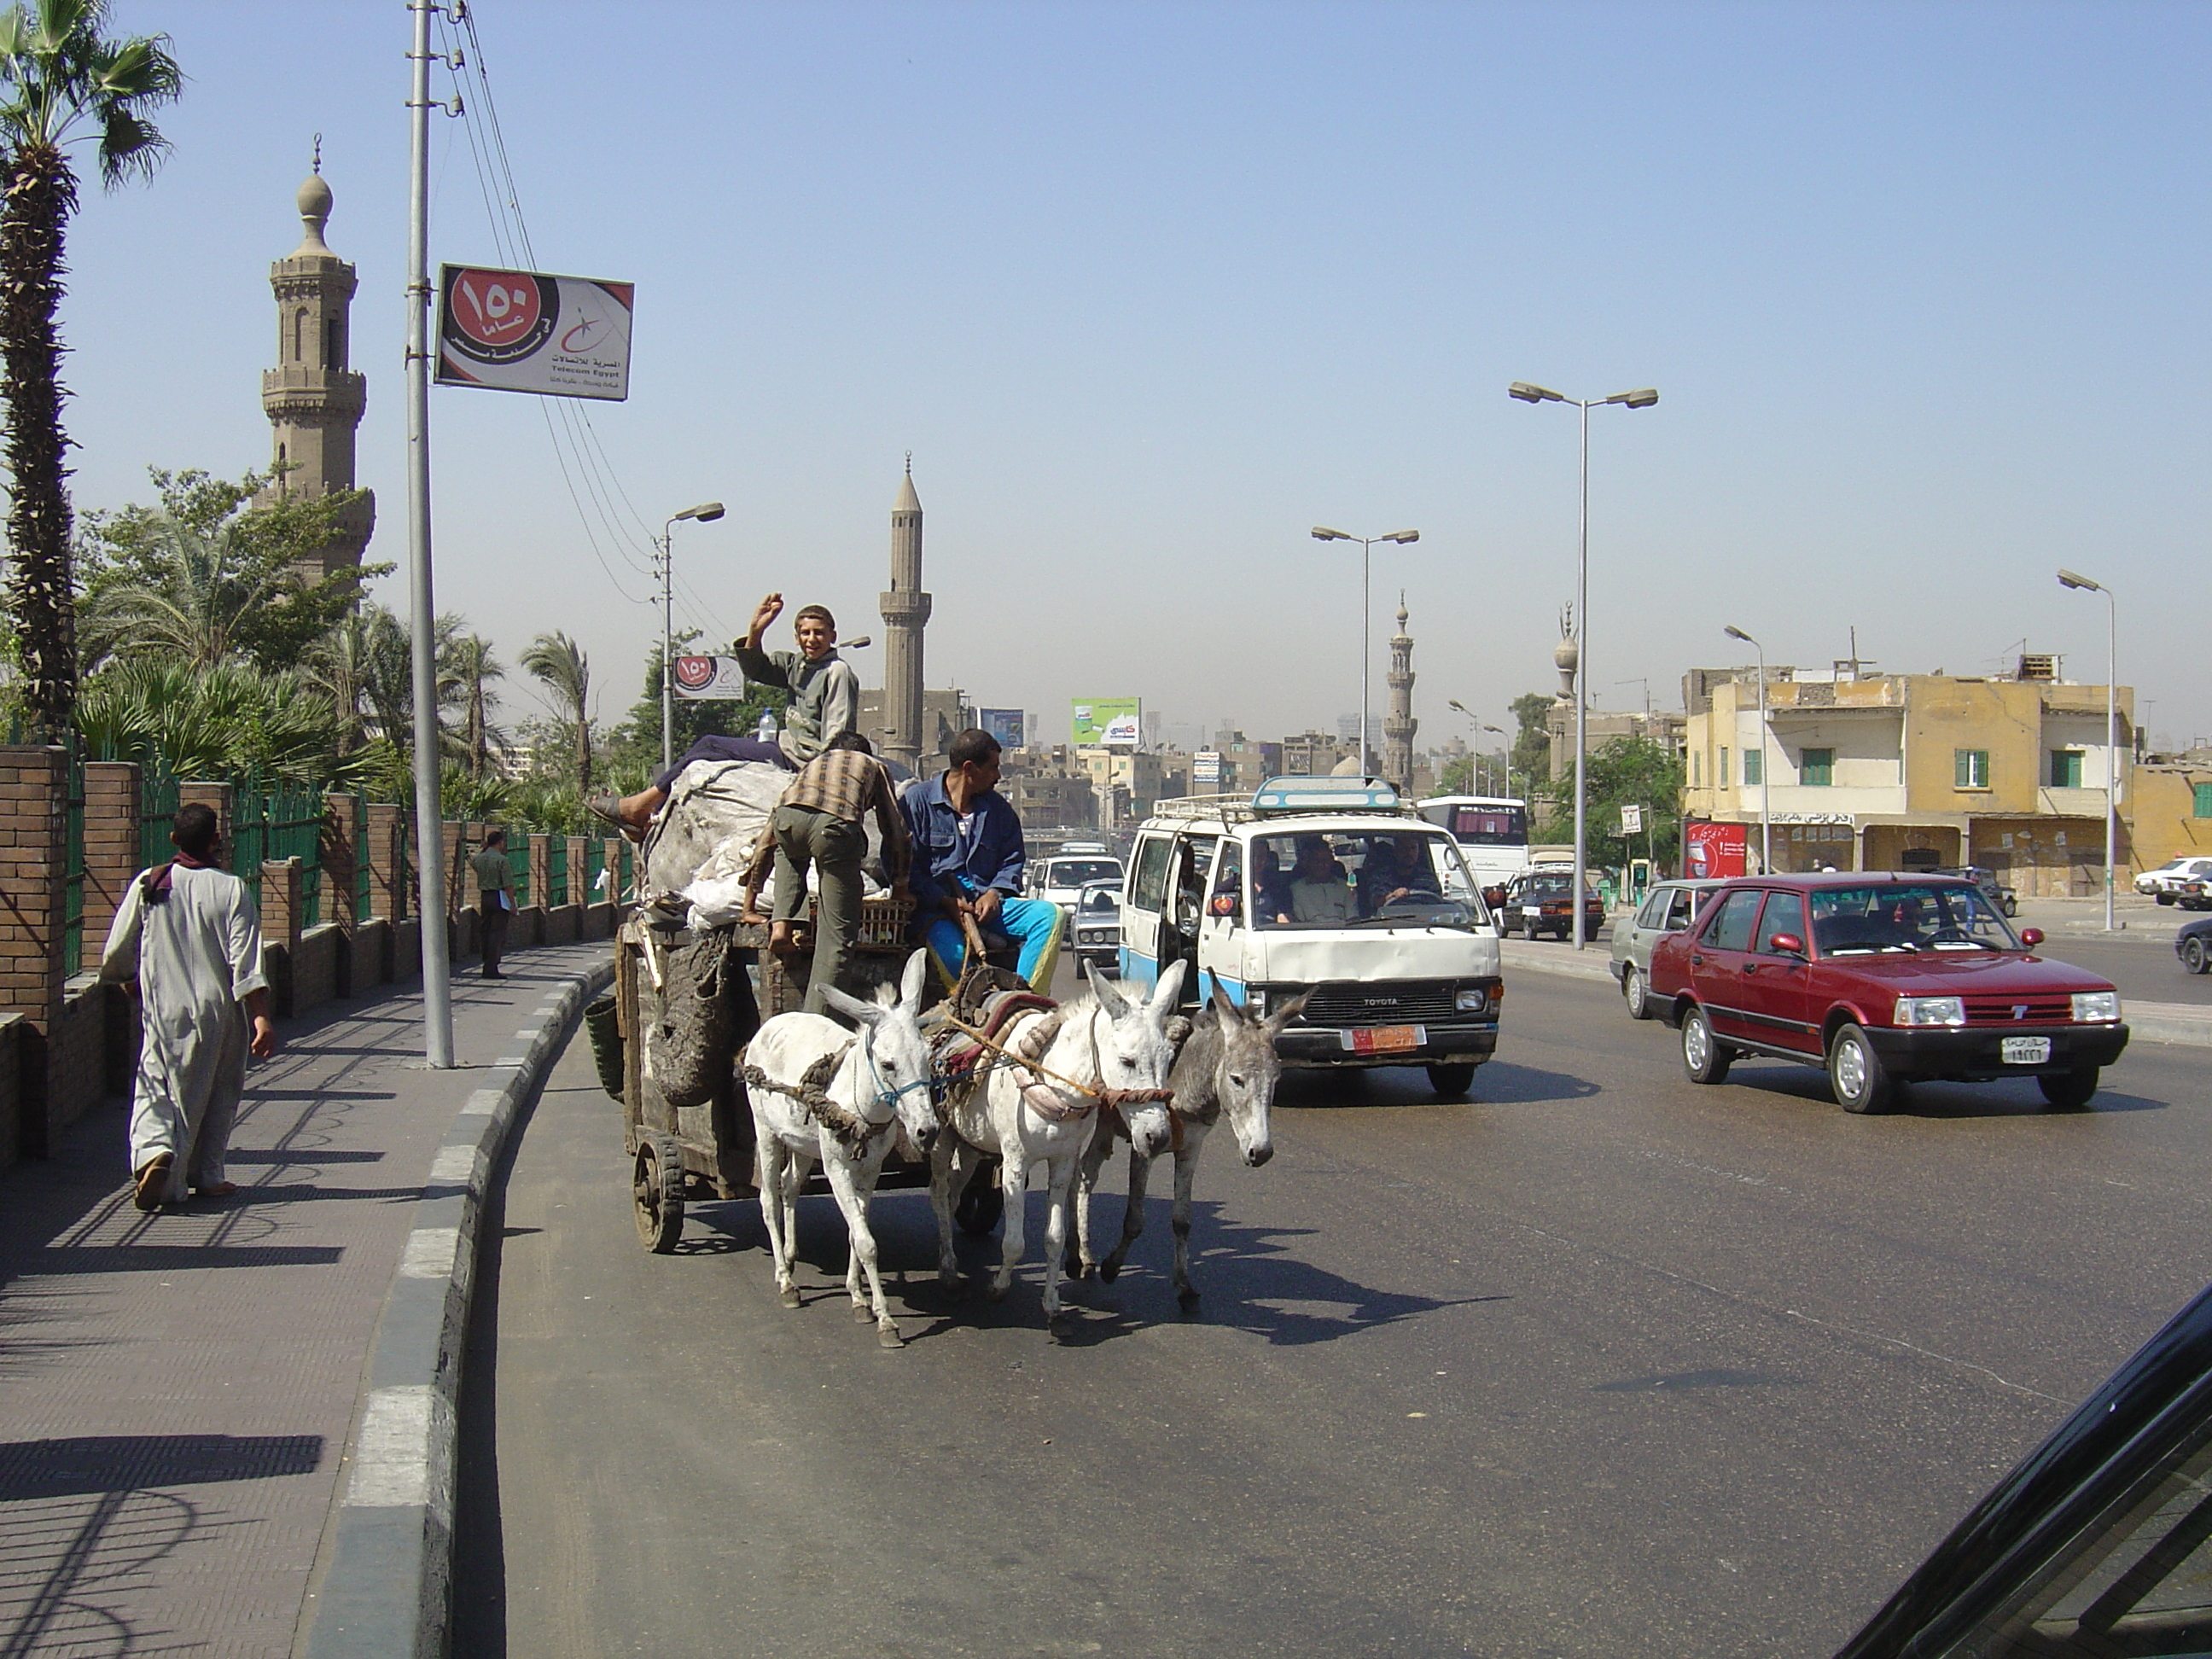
1718,956
1777,982
1143,905
1222,932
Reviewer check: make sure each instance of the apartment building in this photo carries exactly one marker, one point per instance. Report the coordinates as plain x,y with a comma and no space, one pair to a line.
1883,771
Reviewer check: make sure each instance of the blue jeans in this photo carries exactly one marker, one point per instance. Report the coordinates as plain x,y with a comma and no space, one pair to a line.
1035,924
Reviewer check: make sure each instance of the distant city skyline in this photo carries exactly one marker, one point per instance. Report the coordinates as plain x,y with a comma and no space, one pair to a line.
1921,289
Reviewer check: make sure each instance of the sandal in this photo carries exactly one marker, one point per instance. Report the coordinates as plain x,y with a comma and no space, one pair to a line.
608,809
153,1181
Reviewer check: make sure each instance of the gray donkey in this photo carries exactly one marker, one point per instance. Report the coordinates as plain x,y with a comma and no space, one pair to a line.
1229,1063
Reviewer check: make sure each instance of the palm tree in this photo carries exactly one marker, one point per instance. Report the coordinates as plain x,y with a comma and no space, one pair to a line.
58,73
474,666
192,610
560,662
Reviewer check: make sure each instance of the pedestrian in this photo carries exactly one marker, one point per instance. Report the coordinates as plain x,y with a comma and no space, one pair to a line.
494,875
968,858
820,822
187,940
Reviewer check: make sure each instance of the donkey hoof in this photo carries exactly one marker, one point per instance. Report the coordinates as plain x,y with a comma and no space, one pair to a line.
949,1277
999,1289
1109,1271
887,1336
1187,1300
789,1296
863,1313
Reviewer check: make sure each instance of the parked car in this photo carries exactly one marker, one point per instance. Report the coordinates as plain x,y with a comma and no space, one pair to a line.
1997,893
2193,945
1097,927
1537,901
2195,894
2164,882
2094,1545
1668,908
1883,980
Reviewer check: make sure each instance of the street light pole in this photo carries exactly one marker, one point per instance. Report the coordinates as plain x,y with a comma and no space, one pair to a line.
2069,579
1323,533
705,512
1641,399
1473,760
1765,833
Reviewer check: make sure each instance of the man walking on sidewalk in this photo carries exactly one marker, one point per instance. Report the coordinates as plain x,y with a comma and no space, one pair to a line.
819,822
187,936
494,897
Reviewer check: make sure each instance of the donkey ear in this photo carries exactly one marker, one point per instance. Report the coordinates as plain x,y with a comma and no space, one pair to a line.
1168,991
1108,994
1289,1011
1222,1006
911,984
858,1012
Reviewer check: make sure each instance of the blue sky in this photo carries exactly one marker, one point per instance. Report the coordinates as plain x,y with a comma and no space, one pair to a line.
1150,289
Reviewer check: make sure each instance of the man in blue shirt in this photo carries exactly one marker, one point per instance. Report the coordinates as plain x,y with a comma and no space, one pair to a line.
969,859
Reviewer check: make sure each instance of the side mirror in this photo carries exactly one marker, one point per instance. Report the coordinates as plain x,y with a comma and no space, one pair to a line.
1786,945
2030,937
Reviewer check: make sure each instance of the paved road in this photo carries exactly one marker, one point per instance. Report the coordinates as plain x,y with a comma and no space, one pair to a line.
2142,965
1600,1363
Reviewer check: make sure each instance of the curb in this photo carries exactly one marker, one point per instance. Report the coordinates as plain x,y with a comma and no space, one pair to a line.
2185,1024
388,1590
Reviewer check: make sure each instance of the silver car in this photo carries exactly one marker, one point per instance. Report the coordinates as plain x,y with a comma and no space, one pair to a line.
1668,908
1098,927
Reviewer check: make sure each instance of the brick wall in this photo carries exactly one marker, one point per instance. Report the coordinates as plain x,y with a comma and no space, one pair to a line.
406,948
340,860
76,1054
33,866
111,811
11,1088
368,962
315,966
385,852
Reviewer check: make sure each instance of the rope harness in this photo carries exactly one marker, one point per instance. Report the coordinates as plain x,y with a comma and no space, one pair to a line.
848,1129
1045,1102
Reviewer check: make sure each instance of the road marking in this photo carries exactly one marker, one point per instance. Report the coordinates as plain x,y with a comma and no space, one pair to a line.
430,1252
453,1165
391,1453
482,1104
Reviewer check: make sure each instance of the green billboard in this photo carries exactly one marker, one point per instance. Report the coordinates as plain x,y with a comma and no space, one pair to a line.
1107,720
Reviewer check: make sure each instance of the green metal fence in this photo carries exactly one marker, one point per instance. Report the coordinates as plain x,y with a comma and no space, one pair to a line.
157,816
556,870
361,881
518,864
595,862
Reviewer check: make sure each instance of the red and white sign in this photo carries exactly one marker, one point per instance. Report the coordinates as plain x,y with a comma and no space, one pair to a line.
709,679
521,330
1715,850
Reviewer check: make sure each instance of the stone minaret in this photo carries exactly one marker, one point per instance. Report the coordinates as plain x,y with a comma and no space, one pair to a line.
905,610
1398,724
312,399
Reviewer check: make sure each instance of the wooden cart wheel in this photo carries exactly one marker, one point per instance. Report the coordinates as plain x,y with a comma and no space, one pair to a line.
657,1194
982,1204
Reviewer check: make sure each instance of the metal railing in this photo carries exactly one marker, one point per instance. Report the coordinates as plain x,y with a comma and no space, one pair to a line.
556,870
517,862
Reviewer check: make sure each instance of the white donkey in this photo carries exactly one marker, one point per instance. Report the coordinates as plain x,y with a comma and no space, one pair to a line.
1105,1042
820,1091
1229,1065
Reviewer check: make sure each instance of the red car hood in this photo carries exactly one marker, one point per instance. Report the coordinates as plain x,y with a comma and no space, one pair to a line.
1965,972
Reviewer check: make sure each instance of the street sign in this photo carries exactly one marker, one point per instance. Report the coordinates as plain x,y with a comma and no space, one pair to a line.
521,330
1632,820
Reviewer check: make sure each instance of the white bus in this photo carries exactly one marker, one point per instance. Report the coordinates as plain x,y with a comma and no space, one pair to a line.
1492,830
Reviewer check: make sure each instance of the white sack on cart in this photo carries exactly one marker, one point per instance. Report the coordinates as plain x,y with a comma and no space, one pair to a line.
715,812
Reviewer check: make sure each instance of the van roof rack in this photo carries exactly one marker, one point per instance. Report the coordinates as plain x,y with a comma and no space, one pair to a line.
1330,795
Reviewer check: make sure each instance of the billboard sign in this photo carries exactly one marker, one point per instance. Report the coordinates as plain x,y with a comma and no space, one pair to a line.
1632,820
521,330
1006,725
1107,720
1715,850
1206,766
709,679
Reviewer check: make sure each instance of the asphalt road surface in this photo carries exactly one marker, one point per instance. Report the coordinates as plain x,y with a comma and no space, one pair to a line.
1597,1362
2141,964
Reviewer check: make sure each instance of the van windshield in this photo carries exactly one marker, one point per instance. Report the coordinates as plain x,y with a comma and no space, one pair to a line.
1081,873
1364,879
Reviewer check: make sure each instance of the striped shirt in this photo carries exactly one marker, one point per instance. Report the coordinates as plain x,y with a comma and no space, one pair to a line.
846,784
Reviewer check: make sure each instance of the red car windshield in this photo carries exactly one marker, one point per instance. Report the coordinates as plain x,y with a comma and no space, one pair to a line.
1898,915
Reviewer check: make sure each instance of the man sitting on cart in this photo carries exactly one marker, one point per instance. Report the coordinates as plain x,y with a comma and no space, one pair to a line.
968,857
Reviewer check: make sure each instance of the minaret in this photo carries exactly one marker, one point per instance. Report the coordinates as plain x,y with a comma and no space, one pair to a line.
312,399
1398,724
905,610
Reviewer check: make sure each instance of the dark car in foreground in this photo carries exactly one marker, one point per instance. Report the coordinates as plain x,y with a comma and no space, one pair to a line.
1882,980
1537,902
2098,1545
2193,945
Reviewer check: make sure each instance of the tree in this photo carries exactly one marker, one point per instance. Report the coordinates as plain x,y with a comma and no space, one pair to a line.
1628,772
204,576
1532,739
231,720
560,662
475,667
58,74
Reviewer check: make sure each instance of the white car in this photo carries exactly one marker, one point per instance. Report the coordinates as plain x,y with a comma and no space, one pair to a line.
1062,879
2164,883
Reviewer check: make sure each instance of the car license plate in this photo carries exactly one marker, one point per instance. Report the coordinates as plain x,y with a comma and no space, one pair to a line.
1384,1039
2024,1051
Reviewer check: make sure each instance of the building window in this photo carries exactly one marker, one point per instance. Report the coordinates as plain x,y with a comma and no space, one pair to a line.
1818,769
1721,777
333,343
2066,768
2205,800
1971,767
299,335
1695,758
1754,766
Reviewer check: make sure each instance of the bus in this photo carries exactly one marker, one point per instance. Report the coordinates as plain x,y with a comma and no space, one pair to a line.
1492,830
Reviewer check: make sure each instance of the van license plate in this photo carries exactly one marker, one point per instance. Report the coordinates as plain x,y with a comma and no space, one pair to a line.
2024,1051
1384,1039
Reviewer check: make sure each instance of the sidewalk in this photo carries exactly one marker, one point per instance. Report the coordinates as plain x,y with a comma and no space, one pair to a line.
177,1390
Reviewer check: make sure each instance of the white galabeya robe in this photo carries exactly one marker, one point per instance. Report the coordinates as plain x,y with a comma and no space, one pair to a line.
194,956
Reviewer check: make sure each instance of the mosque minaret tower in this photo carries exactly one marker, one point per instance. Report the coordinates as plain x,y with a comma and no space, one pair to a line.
905,610
314,401
1398,724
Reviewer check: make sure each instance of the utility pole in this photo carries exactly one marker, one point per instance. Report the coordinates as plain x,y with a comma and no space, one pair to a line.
429,839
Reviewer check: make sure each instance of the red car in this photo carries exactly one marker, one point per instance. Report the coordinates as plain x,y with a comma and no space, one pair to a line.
1883,980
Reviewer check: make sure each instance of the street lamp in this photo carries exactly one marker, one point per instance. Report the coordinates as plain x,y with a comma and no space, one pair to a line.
705,512
1641,399
1473,759
2069,579
1765,833
1323,533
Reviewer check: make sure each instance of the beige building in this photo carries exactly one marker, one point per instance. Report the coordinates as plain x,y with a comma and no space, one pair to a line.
1045,786
1880,771
1600,728
1127,781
